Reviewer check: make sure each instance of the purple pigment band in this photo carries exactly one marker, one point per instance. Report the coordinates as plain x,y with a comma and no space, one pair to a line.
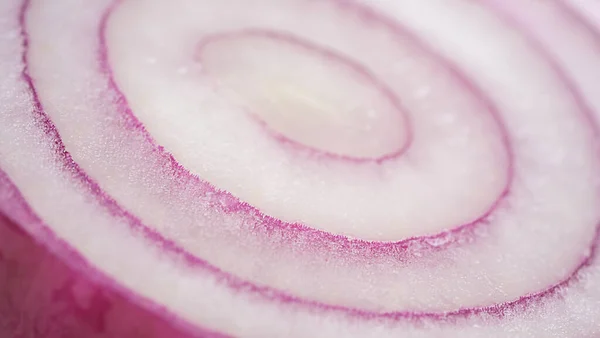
239,285
440,241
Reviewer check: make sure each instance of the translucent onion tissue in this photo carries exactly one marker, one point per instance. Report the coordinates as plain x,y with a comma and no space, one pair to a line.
299,168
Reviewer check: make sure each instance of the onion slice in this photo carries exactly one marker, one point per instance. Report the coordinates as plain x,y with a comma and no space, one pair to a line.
299,168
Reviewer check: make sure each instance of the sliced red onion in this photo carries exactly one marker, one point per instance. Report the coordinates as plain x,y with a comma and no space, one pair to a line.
299,168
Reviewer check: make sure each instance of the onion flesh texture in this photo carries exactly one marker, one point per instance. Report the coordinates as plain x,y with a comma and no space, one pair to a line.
241,172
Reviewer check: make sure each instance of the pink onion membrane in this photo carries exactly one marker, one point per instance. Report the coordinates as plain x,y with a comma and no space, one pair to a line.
299,168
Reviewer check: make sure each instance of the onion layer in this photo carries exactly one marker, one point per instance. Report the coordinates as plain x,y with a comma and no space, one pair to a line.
299,168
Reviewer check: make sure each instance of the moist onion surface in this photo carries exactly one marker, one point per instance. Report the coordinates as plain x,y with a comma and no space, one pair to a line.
299,168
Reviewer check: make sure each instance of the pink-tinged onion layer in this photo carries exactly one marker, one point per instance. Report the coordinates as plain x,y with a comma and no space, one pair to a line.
299,168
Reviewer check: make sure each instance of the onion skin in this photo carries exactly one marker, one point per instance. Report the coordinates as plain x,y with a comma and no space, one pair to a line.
40,296
43,296
47,289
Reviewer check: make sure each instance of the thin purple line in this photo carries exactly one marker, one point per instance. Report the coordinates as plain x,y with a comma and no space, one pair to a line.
234,282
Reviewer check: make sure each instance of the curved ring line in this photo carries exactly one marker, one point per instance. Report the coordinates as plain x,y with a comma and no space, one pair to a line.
234,282
27,222
456,235
404,244
331,55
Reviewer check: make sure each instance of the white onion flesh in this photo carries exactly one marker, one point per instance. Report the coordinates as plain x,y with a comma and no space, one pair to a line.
307,168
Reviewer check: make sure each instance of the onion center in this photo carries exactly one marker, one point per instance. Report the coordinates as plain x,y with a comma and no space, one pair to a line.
306,94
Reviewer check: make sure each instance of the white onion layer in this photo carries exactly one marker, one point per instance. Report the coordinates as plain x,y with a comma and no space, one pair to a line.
525,122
